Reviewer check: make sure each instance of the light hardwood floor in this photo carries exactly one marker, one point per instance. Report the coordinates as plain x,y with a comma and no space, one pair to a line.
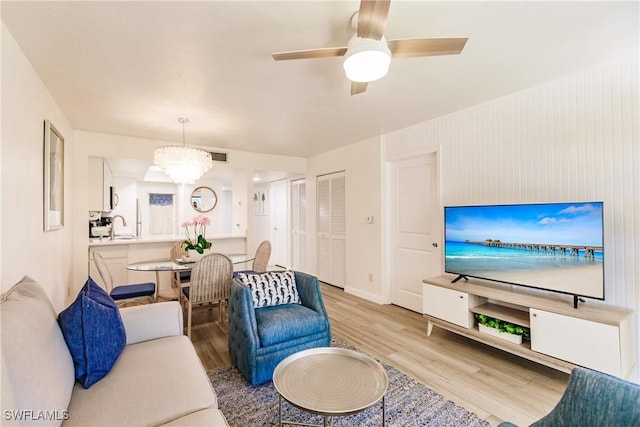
493,384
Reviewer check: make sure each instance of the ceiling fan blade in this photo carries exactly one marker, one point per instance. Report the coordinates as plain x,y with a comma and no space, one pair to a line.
409,48
358,87
372,18
310,53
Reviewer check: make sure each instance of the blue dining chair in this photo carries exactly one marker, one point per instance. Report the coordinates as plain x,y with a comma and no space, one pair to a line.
123,294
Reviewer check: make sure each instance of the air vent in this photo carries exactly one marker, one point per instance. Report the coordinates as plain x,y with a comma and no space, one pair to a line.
218,157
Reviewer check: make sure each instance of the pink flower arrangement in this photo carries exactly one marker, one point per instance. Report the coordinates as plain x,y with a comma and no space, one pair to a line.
198,242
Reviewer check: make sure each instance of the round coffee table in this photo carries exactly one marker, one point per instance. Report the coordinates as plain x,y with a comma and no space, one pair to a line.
330,381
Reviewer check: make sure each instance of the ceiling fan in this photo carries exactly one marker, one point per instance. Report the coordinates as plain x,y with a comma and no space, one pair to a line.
368,54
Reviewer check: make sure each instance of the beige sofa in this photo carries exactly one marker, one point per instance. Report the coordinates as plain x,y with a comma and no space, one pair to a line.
157,380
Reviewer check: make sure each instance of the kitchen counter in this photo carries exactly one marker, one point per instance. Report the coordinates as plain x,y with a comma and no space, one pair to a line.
95,242
119,253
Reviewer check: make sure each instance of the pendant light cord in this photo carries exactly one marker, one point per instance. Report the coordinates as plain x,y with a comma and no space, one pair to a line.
183,120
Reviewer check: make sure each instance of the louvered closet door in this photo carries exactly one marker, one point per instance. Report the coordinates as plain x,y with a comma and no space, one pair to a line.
331,249
299,224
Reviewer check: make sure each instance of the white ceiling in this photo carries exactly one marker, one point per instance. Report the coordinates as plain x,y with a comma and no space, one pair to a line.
143,170
133,68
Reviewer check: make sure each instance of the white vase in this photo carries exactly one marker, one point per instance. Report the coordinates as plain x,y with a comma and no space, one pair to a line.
194,256
517,339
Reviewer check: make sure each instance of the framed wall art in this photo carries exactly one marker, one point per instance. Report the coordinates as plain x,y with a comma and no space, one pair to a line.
53,178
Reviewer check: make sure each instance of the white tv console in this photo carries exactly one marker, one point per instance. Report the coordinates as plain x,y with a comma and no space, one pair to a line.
593,335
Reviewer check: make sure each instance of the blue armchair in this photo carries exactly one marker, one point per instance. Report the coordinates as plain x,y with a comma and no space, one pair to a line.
260,338
594,399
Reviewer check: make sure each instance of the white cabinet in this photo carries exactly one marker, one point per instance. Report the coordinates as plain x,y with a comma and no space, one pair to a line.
449,305
100,182
583,342
593,335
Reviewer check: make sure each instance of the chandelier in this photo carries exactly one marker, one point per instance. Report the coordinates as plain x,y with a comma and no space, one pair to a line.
184,165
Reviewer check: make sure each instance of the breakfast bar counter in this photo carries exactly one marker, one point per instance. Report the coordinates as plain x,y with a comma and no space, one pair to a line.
121,252
132,240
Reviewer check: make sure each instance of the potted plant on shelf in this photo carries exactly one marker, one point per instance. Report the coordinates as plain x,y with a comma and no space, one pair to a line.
196,244
501,329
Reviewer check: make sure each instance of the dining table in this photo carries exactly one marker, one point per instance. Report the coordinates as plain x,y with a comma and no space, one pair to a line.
173,266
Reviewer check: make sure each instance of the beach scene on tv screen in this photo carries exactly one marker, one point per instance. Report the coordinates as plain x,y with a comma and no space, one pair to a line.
550,246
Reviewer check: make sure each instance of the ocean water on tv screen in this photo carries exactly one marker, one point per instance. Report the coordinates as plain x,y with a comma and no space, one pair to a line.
477,259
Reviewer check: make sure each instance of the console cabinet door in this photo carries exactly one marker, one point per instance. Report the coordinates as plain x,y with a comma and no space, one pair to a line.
447,304
582,342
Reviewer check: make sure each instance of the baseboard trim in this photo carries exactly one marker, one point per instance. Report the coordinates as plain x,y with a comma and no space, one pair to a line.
365,295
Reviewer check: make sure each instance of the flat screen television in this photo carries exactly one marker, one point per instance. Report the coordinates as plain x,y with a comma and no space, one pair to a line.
552,246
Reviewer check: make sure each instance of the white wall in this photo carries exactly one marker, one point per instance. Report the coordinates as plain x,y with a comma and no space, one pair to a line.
575,139
25,247
363,178
261,221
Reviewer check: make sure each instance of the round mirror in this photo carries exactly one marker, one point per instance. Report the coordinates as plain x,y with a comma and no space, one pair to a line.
203,199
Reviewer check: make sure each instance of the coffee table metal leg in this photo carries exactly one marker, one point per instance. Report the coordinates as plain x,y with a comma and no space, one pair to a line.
327,420
384,413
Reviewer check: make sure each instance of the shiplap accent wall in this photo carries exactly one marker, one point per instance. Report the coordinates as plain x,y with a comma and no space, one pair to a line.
574,139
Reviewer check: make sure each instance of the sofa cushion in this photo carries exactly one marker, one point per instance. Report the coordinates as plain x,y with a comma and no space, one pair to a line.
94,333
271,288
37,369
287,322
151,321
152,383
204,418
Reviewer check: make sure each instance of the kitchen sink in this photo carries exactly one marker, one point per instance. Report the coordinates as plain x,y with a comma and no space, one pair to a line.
124,237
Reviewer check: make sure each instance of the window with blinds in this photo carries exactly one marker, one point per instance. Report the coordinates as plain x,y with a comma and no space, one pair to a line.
161,214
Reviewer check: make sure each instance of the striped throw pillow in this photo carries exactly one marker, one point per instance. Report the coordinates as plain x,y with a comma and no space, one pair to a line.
271,288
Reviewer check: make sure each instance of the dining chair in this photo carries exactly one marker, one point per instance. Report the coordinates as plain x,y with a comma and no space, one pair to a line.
260,260
123,294
210,283
179,278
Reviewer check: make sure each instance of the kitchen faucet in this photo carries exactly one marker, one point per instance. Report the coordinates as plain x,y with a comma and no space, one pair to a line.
112,233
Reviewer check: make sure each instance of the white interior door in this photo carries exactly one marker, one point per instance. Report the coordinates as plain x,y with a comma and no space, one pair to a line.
331,229
298,224
279,224
416,228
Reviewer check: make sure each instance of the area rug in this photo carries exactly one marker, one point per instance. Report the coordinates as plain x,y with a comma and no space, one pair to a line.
408,403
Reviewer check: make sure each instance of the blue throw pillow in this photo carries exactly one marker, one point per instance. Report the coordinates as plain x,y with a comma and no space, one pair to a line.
94,332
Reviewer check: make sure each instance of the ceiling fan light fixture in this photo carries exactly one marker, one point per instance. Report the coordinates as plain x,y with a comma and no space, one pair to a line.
367,60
